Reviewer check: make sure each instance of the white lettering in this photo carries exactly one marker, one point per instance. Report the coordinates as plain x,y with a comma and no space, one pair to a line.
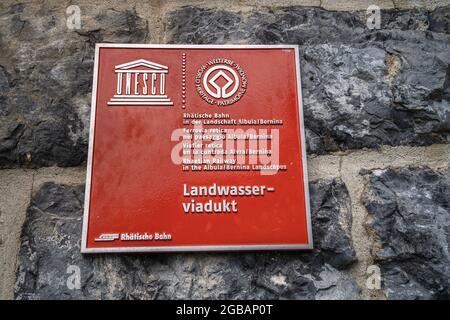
136,83
144,89
128,84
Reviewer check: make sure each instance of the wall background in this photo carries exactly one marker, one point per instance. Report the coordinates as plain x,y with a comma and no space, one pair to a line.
378,126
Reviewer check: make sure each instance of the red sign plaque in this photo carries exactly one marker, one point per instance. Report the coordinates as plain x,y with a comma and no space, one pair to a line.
196,148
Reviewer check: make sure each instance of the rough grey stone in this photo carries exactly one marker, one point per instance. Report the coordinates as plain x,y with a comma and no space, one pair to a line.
439,20
51,244
361,87
410,209
46,76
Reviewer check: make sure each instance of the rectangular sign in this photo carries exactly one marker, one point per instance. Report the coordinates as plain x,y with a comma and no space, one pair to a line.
196,148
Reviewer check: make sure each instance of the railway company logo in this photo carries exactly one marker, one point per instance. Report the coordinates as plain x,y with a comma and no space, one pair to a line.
221,82
140,83
107,237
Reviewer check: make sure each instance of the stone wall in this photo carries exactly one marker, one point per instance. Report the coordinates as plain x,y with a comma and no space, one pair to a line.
377,119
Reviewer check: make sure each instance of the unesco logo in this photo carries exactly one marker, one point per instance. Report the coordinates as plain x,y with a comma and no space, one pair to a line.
140,82
221,82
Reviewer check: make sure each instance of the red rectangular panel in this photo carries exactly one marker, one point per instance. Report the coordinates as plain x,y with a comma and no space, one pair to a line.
196,148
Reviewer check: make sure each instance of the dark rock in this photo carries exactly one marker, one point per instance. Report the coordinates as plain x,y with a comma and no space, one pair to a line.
410,209
293,25
361,88
414,19
51,246
439,20
45,79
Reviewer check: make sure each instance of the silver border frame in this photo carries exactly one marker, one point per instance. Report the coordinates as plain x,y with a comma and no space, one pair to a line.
84,249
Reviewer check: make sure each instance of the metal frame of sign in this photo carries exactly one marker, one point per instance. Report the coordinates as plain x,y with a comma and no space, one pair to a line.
84,249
